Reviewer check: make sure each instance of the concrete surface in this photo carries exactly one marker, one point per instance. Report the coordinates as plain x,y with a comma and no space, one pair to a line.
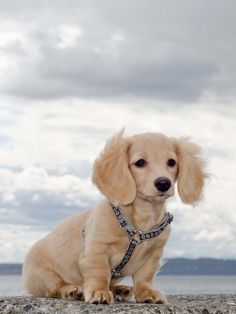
204,304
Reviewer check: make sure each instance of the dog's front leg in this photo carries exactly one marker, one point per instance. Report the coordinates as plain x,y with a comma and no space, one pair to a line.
143,278
96,274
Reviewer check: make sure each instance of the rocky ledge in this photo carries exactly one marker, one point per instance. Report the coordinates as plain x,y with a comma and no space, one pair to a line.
204,304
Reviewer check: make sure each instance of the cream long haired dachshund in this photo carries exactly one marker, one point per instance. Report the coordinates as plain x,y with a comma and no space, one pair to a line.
137,174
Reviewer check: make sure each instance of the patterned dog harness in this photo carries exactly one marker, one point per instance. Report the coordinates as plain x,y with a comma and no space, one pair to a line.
136,236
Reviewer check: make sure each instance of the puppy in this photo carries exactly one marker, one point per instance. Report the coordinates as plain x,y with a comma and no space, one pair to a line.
137,174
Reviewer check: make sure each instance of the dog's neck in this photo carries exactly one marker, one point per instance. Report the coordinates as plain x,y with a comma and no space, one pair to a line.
145,214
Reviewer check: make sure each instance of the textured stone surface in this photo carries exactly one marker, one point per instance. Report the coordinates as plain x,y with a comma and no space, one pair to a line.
204,304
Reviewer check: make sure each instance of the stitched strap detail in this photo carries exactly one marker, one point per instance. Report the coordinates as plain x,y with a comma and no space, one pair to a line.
123,221
156,230
117,271
140,236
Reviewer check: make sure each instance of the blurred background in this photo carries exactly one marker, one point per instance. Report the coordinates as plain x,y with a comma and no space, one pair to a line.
72,73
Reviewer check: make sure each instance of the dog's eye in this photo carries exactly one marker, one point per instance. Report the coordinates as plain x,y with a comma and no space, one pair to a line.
171,162
140,163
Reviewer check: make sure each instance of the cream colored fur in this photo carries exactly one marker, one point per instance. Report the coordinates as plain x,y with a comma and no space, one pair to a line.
72,263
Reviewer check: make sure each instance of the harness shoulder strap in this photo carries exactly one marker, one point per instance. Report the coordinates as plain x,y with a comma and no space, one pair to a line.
123,221
136,235
157,229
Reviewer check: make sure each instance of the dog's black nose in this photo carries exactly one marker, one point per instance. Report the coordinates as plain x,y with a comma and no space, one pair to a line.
162,184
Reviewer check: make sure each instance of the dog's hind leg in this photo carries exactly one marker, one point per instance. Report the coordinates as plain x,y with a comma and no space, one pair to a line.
70,291
44,283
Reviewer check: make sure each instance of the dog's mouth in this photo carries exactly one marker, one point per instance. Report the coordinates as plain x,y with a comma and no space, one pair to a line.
156,196
163,195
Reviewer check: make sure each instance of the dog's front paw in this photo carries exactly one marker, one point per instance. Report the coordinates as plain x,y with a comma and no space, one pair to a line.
122,293
99,296
150,296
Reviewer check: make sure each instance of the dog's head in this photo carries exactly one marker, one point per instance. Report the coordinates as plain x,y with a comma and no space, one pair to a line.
147,166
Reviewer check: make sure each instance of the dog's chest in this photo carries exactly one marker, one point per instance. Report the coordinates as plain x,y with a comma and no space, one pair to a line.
143,252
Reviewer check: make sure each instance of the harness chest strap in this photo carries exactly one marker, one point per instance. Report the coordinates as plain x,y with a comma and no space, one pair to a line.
136,236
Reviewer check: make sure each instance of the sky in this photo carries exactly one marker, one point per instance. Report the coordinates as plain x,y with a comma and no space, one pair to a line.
73,73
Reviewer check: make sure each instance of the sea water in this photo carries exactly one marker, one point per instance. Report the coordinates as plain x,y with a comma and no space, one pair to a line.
169,284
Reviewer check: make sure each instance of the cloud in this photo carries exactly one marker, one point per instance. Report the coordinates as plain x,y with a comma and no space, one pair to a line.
15,241
155,51
72,73
32,196
45,176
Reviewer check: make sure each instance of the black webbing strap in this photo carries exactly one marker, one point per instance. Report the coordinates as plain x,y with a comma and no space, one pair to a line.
136,236
117,271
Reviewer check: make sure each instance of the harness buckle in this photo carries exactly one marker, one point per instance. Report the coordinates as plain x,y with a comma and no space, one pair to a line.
136,236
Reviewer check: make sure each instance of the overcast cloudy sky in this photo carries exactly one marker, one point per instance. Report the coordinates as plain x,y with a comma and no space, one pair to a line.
72,73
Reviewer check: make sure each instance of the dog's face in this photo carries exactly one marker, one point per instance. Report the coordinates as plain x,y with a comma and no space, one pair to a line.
154,166
147,166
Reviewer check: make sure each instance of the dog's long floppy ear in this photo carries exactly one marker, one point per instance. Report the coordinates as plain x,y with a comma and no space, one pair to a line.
191,173
111,172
